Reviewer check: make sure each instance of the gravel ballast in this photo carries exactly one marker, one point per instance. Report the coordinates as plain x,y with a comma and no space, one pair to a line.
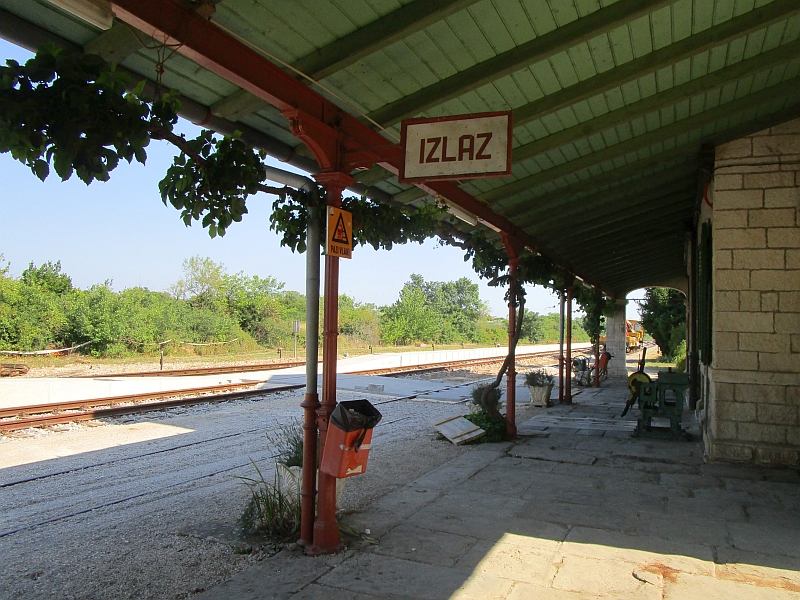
146,506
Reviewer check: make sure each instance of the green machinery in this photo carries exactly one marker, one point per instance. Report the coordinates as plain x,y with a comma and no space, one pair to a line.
662,399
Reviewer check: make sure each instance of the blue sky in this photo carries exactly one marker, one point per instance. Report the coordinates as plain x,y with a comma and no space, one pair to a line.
121,231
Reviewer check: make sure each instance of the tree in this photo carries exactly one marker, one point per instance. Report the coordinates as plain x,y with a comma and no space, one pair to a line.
359,321
533,329
203,281
48,277
664,317
410,319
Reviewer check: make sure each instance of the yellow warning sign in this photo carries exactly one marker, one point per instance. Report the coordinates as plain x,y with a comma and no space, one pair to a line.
340,233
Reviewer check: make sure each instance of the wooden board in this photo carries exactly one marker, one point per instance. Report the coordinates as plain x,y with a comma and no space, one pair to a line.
458,430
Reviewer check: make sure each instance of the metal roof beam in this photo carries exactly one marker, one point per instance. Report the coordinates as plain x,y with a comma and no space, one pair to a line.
661,134
653,238
668,183
401,23
349,49
537,49
627,273
688,153
607,223
624,273
623,219
658,101
616,178
739,26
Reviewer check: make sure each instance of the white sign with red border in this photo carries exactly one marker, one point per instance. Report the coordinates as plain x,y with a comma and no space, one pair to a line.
457,147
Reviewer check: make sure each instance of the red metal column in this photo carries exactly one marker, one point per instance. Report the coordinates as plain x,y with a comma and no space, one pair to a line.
561,346
597,364
326,529
568,359
511,374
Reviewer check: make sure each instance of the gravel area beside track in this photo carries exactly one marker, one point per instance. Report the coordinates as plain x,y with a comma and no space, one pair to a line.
174,535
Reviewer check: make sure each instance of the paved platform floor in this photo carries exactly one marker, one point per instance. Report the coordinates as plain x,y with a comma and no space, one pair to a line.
561,514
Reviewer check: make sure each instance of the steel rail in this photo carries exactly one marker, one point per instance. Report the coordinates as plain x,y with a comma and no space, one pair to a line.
58,417
257,367
203,370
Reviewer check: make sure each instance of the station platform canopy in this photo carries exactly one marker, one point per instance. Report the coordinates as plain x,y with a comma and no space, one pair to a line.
617,105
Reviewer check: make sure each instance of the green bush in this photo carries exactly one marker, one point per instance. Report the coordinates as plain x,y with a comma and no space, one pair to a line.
680,356
495,426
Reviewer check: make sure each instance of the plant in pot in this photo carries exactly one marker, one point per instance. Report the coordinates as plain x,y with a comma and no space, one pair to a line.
540,384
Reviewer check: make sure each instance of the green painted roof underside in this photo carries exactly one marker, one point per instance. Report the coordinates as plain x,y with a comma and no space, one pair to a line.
612,100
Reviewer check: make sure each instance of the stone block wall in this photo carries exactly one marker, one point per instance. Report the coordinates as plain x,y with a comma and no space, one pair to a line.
754,377
615,341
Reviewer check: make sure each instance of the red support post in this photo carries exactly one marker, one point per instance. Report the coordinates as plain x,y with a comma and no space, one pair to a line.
326,529
568,359
511,373
596,365
561,346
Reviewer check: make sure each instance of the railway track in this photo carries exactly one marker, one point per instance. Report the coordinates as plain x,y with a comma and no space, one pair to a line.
57,413
44,415
205,370
224,369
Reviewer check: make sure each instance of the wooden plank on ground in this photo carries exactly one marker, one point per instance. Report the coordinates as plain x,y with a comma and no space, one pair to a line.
458,430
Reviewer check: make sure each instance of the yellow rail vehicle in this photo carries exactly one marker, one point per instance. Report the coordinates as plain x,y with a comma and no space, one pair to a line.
634,336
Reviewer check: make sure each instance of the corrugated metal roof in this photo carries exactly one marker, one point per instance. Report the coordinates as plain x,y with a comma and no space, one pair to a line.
612,100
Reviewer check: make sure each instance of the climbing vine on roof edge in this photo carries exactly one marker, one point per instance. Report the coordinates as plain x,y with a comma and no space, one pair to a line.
72,112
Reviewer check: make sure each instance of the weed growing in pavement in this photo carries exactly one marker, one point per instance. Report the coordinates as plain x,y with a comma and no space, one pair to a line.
274,508
287,440
270,511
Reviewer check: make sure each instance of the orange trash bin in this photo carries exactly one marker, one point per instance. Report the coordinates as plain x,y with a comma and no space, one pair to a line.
349,438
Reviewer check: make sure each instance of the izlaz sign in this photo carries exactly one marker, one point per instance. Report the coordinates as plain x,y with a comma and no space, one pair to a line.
458,147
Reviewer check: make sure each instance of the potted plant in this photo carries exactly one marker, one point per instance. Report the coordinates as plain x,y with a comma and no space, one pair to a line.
540,384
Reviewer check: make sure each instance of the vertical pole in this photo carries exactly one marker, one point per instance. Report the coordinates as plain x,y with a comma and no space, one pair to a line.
561,346
568,359
326,529
310,404
597,362
511,373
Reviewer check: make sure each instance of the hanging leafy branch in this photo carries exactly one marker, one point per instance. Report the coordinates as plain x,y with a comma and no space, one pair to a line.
72,112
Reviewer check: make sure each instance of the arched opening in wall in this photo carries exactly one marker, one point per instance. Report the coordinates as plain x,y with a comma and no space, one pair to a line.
657,319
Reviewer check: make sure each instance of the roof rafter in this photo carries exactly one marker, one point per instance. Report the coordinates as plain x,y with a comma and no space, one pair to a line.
665,183
384,31
614,177
401,23
634,263
645,140
666,205
668,230
756,19
589,219
537,49
655,102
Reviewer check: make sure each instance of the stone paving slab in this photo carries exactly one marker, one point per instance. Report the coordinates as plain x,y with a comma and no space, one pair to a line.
569,517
